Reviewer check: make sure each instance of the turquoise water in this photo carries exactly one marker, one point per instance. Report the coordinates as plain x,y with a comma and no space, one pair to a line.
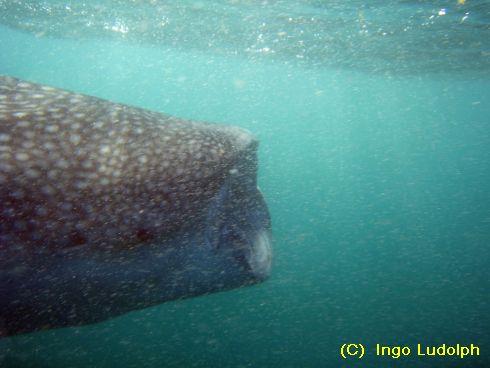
374,161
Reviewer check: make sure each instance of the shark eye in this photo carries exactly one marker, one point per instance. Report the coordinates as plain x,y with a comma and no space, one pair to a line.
144,235
77,238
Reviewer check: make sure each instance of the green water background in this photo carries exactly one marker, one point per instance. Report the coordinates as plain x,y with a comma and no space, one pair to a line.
379,190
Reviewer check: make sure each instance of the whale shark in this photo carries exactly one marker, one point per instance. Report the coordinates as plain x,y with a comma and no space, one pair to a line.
107,208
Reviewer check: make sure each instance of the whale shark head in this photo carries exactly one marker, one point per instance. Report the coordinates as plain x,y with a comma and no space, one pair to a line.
227,245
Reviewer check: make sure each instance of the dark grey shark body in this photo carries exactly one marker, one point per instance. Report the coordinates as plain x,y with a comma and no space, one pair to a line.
106,208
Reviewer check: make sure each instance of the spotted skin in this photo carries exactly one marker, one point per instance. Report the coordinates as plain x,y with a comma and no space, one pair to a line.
138,172
84,181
